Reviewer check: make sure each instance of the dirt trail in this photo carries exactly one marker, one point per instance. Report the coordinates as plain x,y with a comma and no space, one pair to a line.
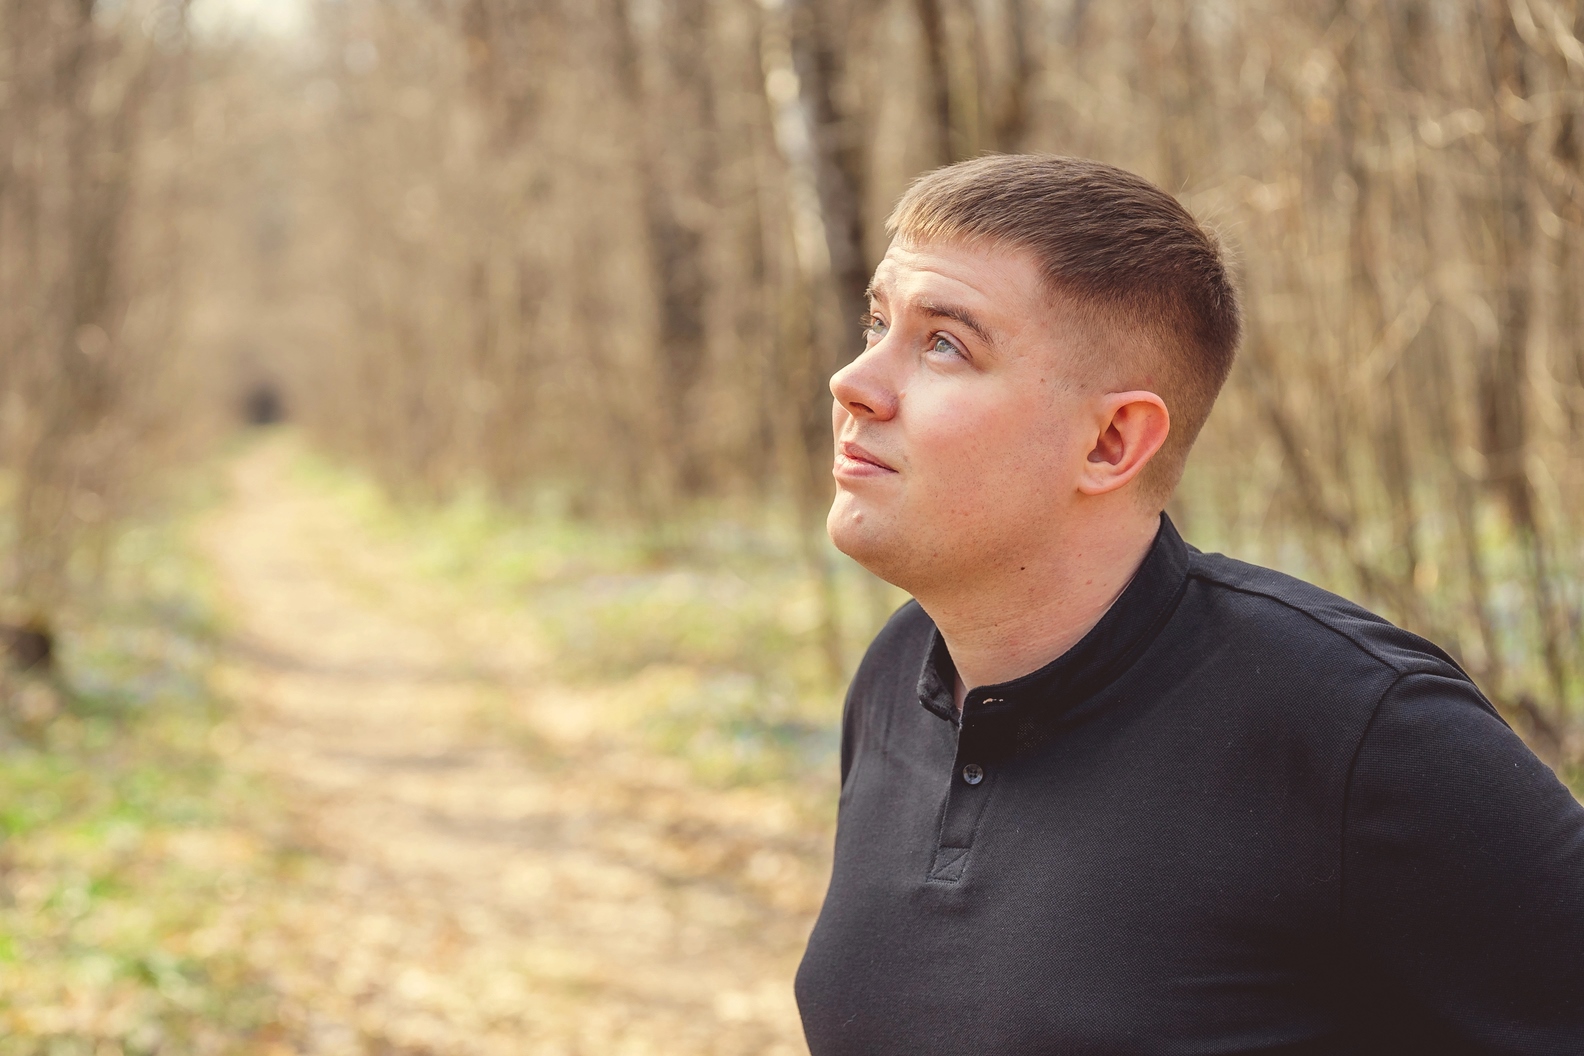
491,867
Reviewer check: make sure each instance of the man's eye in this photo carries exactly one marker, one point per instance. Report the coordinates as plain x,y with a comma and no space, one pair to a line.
873,326
943,346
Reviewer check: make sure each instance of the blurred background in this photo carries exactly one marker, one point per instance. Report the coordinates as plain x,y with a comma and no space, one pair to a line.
419,631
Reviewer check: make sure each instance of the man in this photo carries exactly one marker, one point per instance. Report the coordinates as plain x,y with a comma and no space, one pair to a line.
1102,793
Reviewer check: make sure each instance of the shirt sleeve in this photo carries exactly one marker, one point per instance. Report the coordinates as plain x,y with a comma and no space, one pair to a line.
1463,874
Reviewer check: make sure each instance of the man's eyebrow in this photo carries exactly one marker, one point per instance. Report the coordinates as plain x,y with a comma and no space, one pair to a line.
878,291
963,316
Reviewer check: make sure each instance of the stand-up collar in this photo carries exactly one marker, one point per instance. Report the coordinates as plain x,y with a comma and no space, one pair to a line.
1100,656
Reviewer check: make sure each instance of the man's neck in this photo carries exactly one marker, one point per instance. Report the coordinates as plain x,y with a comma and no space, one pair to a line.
999,632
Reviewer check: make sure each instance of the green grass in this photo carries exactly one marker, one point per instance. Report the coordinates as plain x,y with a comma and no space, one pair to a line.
123,871
715,622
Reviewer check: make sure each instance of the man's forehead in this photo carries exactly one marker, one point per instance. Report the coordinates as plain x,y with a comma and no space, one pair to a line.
991,275
1001,289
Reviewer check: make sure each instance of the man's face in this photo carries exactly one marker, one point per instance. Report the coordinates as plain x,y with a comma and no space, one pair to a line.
960,431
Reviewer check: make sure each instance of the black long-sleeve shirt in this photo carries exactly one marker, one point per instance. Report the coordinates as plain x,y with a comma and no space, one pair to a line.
1242,815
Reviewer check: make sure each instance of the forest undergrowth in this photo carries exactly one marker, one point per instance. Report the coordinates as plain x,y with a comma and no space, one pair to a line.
708,623
128,848
182,870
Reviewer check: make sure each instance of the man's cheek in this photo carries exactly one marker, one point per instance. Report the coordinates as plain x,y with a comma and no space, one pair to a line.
961,468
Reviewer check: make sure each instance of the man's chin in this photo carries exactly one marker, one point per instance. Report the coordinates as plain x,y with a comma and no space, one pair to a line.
866,538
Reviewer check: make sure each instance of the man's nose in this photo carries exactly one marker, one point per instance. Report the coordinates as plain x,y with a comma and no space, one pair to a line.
863,388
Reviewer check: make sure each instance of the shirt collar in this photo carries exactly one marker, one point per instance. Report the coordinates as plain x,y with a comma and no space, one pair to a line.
1109,648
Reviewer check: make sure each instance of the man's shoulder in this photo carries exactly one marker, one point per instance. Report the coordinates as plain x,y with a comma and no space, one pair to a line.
1308,621
895,658
909,620
904,639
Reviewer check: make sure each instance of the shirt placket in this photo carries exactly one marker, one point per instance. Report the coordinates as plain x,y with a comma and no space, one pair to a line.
973,778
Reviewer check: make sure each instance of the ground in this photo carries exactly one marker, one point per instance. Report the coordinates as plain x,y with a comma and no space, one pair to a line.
364,808
494,862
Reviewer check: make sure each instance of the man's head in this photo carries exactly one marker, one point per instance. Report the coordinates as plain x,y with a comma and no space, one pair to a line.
1047,338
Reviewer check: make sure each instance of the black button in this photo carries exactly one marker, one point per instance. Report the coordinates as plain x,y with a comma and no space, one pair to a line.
973,773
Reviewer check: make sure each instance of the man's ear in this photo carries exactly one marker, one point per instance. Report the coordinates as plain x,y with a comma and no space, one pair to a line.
1133,426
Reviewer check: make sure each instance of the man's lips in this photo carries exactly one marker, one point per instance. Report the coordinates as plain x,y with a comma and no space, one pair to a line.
854,459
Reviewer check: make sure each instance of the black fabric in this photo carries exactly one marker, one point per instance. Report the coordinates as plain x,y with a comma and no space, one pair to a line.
1242,815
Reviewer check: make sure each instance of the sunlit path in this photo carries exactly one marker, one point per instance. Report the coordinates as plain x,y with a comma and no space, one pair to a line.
490,866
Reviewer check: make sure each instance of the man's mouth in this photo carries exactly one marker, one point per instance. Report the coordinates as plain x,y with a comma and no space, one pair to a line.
854,460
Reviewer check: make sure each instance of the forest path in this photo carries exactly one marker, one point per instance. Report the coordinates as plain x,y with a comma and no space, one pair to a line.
488,866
